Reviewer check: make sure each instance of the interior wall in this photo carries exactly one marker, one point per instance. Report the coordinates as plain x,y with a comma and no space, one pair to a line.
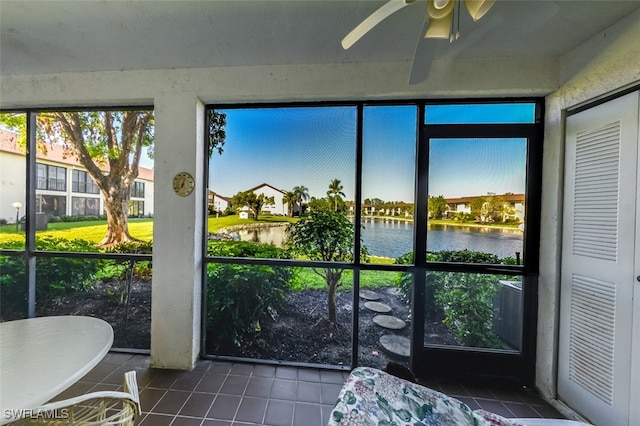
606,64
178,94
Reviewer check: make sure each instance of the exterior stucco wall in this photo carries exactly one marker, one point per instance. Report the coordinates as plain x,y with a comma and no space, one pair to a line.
278,207
12,187
602,66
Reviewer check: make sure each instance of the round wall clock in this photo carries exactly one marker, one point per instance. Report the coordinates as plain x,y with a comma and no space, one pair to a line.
183,184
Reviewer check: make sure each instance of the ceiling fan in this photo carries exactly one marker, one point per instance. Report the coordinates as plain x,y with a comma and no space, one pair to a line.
442,22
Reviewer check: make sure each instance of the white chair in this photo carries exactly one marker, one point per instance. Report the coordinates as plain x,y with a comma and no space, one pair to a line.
93,409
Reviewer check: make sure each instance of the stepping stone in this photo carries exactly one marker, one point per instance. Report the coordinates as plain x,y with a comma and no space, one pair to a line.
390,322
369,295
379,307
396,345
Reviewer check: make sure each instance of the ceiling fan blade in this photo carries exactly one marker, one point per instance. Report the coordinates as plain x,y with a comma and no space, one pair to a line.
422,57
386,10
478,8
439,28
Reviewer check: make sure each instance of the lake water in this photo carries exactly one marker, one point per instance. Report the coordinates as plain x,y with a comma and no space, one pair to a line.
394,238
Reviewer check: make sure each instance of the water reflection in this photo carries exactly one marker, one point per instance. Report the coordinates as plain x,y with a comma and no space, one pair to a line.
394,237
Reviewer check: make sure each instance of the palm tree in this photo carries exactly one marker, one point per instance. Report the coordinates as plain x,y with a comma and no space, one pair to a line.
335,192
302,195
290,198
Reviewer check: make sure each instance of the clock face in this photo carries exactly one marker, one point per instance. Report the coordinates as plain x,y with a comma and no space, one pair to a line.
183,184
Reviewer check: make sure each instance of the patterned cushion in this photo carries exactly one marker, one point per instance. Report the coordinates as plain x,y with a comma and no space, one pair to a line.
373,397
495,419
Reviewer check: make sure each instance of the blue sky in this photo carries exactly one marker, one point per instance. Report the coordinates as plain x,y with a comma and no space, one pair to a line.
310,146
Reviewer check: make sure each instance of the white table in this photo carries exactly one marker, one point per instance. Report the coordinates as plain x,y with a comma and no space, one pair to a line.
41,357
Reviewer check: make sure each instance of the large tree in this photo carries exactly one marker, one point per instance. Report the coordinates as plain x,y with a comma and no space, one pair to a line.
251,200
335,193
302,195
437,206
328,236
290,199
109,145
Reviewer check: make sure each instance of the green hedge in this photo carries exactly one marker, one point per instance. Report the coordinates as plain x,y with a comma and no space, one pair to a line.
241,297
462,300
55,276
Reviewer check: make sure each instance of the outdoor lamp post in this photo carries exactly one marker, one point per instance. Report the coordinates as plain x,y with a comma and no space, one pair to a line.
17,205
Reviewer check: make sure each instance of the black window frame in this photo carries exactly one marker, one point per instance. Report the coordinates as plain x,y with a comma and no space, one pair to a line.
30,253
520,366
51,181
83,183
137,189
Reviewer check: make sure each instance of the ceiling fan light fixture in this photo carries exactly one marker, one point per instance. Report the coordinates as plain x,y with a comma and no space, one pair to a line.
438,9
478,8
440,28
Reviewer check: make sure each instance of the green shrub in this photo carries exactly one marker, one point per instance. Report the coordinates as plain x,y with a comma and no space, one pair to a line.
55,276
142,269
245,249
120,271
240,297
76,218
463,301
403,281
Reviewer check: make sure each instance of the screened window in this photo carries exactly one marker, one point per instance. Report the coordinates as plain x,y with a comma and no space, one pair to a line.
51,177
84,206
136,208
137,189
436,196
82,182
79,279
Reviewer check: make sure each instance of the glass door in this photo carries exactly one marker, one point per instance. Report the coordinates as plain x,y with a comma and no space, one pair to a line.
475,289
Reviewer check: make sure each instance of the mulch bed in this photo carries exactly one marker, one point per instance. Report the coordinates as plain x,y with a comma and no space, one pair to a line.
300,333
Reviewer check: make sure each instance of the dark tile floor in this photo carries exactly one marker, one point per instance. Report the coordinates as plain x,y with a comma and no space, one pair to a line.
222,393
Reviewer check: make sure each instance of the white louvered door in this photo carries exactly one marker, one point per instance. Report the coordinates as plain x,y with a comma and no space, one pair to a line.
598,358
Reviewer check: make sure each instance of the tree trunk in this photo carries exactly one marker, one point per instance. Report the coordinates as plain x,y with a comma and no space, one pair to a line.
117,227
332,280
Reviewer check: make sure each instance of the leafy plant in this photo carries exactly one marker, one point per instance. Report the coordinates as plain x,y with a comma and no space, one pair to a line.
245,249
55,276
328,236
240,297
123,271
464,301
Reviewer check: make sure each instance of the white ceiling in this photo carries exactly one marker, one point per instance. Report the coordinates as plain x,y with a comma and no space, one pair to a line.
41,37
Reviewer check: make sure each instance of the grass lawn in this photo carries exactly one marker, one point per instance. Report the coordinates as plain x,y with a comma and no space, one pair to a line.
473,224
93,231
141,229
307,279
217,223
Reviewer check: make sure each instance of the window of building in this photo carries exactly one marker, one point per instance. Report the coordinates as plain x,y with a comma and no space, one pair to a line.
54,205
137,189
52,178
82,182
136,208
84,206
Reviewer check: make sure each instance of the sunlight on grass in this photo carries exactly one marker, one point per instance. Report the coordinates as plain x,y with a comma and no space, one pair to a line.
307,279
93,231
217,223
